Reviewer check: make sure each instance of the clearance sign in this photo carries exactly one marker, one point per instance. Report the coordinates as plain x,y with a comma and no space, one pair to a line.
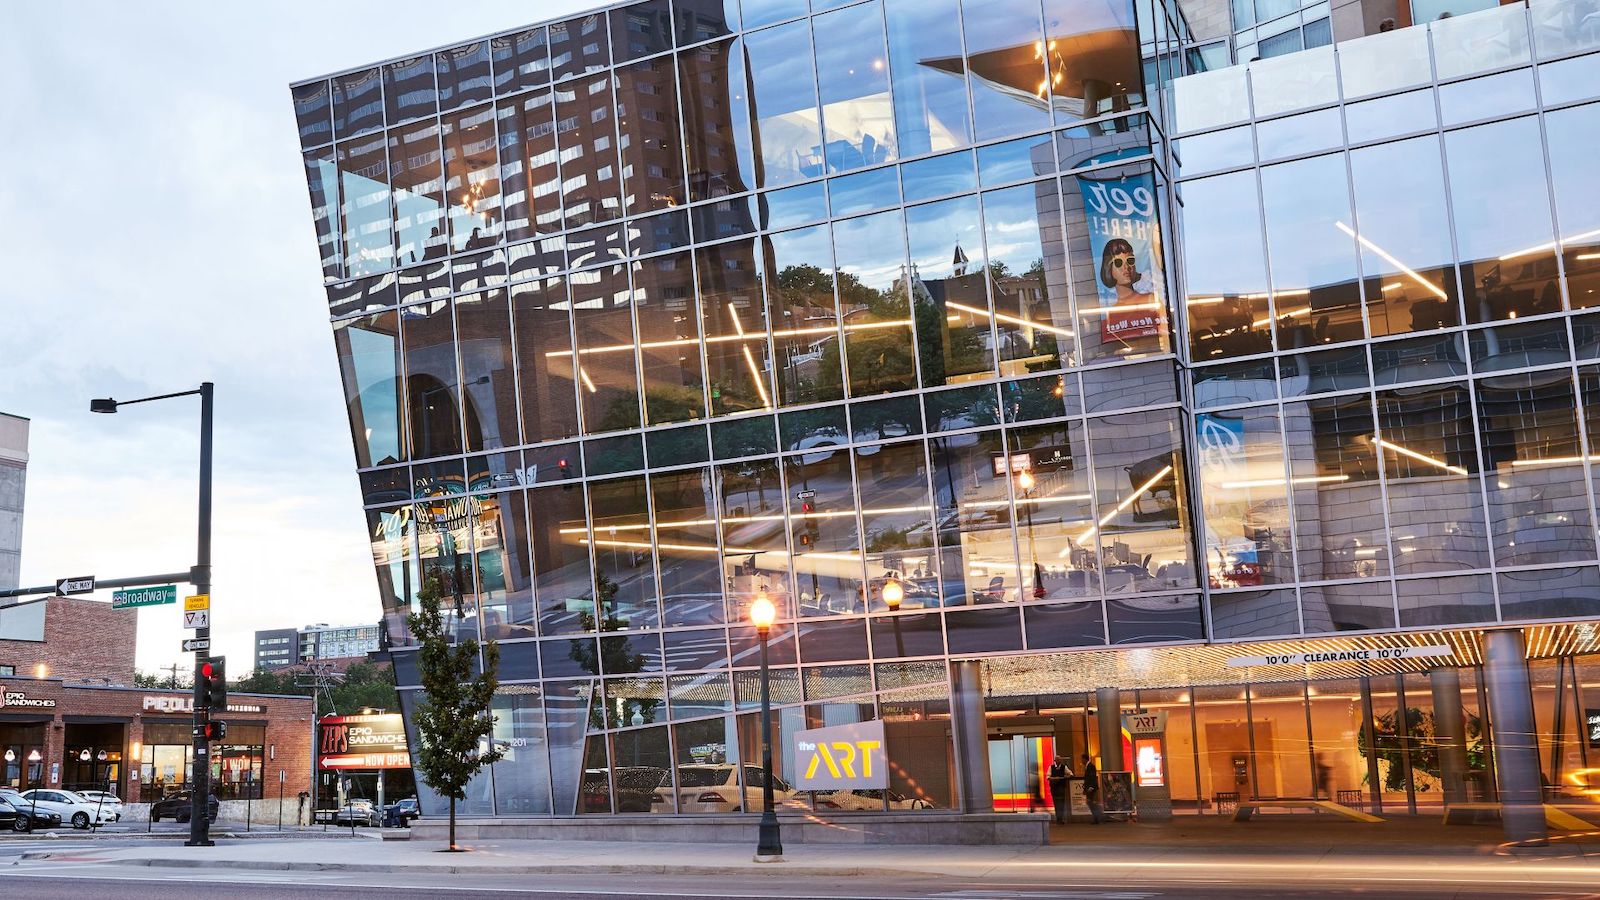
841,757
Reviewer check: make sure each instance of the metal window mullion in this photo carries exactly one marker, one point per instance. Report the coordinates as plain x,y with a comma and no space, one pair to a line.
1481,475
1094,518
1383,495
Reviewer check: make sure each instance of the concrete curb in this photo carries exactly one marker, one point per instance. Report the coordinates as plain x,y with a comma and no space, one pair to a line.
51,837
780,869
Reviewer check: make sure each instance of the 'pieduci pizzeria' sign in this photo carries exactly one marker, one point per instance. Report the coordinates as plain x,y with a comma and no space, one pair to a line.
1366,654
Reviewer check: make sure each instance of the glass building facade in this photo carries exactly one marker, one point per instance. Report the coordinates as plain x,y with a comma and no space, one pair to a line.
1110,366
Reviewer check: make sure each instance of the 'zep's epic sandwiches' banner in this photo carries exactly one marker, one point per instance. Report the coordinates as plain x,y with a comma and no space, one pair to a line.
1121,214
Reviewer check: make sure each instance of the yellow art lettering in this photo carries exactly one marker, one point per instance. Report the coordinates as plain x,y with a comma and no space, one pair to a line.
847,753
866,757
823,755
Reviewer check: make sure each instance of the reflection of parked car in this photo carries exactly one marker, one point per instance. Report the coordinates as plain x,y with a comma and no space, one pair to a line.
9,817
72,807
29,816
358,812
634,789
179,806
397,815
868,800
103,798
715,789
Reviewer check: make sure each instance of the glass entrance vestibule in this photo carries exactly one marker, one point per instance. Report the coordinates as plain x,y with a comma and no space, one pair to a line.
1407,735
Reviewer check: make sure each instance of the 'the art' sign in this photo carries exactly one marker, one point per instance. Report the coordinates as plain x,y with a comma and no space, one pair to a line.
842,757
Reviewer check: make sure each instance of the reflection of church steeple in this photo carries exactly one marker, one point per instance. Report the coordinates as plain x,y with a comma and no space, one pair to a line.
959,263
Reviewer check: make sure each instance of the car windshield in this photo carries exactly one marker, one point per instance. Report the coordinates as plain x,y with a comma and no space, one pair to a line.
701,776
641,779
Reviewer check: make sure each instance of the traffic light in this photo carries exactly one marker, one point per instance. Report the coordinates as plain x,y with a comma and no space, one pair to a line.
212,685
215,731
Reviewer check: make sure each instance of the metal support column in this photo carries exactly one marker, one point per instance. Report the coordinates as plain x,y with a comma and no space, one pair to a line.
1450,732
971,737
1516,736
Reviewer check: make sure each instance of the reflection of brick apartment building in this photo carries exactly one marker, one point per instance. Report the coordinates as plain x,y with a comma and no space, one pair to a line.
71,717
13,481
338,645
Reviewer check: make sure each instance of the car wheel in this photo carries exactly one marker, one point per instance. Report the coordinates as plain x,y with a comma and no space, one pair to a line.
80,820
181,818
22,824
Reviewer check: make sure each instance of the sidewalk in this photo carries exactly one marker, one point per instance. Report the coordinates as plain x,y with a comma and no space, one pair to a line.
1187,847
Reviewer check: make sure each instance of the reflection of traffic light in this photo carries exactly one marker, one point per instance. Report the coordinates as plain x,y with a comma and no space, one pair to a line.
809,535
807,507
566,469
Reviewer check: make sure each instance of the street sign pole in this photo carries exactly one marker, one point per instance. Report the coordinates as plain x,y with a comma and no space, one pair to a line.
199,810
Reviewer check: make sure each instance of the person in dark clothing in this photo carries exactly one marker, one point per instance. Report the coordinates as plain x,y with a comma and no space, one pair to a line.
1091,788
1057,777
1035,799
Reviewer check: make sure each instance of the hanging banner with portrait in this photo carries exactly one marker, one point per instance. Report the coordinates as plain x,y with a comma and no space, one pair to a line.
1124,239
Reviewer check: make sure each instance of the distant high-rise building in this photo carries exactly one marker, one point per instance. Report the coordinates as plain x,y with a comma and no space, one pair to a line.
13,487
277,648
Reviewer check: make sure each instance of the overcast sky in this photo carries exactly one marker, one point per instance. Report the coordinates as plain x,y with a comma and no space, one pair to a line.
154,234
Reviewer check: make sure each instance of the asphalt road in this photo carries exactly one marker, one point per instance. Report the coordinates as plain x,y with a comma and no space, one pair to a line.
78,874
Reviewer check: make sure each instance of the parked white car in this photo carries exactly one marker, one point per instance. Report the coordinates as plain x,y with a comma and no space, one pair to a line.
105,799
74,808
715,789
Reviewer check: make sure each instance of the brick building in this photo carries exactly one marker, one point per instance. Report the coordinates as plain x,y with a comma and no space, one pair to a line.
136,741
72,638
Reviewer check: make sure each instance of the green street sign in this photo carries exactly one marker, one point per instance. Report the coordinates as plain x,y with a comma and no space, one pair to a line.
145,596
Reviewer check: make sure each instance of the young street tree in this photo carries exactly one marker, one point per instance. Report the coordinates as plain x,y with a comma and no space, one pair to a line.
453,718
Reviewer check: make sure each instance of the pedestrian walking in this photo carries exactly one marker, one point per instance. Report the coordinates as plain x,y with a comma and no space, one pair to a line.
1059,772
1091,788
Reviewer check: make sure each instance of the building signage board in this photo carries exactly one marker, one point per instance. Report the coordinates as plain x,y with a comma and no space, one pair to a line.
129,598
1121,215
1591,718
186,705
1141,722
362,742
10,699
1364,654
842,757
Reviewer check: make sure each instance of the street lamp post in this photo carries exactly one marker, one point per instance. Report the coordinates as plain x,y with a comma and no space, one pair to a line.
769,846
200,577
1025,483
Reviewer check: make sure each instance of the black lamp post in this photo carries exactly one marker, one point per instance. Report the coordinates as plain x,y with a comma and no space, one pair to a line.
769,846
199,810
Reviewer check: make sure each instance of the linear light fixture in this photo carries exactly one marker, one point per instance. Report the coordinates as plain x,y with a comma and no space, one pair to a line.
1553,461
1389,257
1126,502
724,338
1274,482
1550,245
749,360
1419,457
1012,319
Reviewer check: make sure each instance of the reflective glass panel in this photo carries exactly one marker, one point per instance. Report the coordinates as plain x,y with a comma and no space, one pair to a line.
937,176
432,385
1316,297
783,91
641,29
1569,79
930,106
804,315
408,90
1119,284
1225,149
1386,117
619,513
1092,54
369,366
1301,134
1227,276
1338,504
313,111
1404,237
472,178
1141,533
1384,62
869,253
716,120
579,46
687,553
948,284
1430,462
528,168
853,84
1573,134
647,124
488,373
1538,505
822,519
897,523
739,368
1445,601
1487,97
669,339
416,173
364,208
521,60
1005,66
607,373
701,20
586,133
322,180
545,359
1050,486
1245,496
1507,258
977,559
1028,274
755,537
357,102
463,75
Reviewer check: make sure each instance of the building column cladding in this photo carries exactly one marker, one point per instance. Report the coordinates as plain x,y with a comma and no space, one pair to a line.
1450,732
976,795
1516,738
1108,713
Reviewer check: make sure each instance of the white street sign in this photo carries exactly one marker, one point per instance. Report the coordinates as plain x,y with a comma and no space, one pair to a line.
66,587
197,618
195,645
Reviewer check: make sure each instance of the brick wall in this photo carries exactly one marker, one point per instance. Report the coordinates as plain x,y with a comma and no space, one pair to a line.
83,640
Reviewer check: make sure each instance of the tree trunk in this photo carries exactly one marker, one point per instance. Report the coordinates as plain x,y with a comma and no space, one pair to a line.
452,823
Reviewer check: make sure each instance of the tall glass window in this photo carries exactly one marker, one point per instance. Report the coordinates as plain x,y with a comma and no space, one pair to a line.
369,364
930,95
1316,297
716,120
783,91
1430,461
608,375
735,321
1404,232
1227,275
949,281
853,84
805,315
669,339
1005,66
870,255
364,206
472,178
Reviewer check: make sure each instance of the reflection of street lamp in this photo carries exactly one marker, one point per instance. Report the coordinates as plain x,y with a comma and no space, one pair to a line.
769,847
893,593
1025,485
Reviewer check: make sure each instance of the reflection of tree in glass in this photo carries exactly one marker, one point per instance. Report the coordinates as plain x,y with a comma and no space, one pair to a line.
1424,747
